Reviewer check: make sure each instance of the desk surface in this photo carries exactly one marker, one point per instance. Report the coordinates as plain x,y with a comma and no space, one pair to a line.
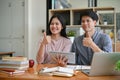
30,75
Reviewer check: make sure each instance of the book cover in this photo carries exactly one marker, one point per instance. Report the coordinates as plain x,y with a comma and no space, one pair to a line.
14,58
13,62
11,71
16,67
13,65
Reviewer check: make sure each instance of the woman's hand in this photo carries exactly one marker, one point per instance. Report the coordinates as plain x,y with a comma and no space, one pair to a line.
61,60
46,39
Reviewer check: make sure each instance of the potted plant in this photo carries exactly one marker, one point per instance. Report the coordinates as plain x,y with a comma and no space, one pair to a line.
71,34
117,65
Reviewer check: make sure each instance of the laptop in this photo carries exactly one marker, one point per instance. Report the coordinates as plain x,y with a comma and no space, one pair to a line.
103,64
69,55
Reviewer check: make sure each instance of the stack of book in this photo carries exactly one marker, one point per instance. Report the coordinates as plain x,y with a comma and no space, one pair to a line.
14,64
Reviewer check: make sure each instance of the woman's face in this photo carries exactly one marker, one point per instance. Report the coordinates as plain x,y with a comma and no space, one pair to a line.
55,26
88,24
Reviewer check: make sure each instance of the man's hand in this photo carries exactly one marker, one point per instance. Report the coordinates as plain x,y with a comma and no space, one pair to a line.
87,41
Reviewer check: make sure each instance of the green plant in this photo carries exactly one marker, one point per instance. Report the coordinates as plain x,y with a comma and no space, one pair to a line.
117,65
71,33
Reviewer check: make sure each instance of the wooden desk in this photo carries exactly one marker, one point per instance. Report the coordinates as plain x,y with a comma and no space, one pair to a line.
29,75
6,53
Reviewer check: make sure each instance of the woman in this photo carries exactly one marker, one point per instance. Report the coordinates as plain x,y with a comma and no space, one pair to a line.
58,42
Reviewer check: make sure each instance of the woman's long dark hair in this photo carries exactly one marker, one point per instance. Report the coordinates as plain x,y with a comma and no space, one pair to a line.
62,21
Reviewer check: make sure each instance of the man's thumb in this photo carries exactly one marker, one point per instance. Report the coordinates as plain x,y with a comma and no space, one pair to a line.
87,34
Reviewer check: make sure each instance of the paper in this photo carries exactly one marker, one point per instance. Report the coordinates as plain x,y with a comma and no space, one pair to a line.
78,67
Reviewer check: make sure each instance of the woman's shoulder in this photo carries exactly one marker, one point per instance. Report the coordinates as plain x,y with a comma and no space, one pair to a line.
66,39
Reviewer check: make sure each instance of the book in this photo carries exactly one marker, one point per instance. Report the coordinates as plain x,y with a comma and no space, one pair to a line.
13,62
16,67
57,71
62,74
13,65
21,65
11,71
14,58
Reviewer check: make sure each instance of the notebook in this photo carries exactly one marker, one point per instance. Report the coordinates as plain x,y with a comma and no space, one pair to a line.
69,55
103,64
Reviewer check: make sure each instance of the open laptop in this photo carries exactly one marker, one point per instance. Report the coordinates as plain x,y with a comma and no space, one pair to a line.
103,64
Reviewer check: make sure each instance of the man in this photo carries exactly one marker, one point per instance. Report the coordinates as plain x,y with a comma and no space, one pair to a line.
92,41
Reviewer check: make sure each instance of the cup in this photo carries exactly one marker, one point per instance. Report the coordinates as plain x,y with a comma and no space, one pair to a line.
105,22
31,63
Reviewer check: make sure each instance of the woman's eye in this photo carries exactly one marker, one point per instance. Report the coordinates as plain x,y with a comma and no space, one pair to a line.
57,23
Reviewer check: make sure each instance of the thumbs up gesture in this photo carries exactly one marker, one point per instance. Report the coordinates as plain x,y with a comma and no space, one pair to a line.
87,41
46,39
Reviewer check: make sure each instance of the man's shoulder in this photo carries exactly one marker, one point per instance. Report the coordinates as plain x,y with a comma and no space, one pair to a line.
104,35
79,37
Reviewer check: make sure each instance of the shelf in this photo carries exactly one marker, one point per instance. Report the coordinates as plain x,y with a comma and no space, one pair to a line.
73,26
103,8
106,26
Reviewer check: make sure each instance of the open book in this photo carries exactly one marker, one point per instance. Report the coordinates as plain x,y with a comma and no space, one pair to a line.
57,71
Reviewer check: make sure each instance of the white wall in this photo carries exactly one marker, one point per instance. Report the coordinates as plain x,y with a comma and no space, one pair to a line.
100,3
111,3
79,3
36,22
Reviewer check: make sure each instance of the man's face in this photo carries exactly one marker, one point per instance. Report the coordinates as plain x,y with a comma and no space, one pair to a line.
88,24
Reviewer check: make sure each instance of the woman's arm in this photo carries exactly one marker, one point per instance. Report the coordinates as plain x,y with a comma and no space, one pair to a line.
40,54
41,51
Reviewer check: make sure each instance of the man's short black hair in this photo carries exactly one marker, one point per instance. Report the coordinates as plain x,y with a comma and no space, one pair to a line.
90,13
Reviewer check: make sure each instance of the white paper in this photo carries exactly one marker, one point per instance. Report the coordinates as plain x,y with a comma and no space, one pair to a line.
78,67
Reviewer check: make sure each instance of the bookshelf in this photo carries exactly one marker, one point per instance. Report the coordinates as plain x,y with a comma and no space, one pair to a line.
72,16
